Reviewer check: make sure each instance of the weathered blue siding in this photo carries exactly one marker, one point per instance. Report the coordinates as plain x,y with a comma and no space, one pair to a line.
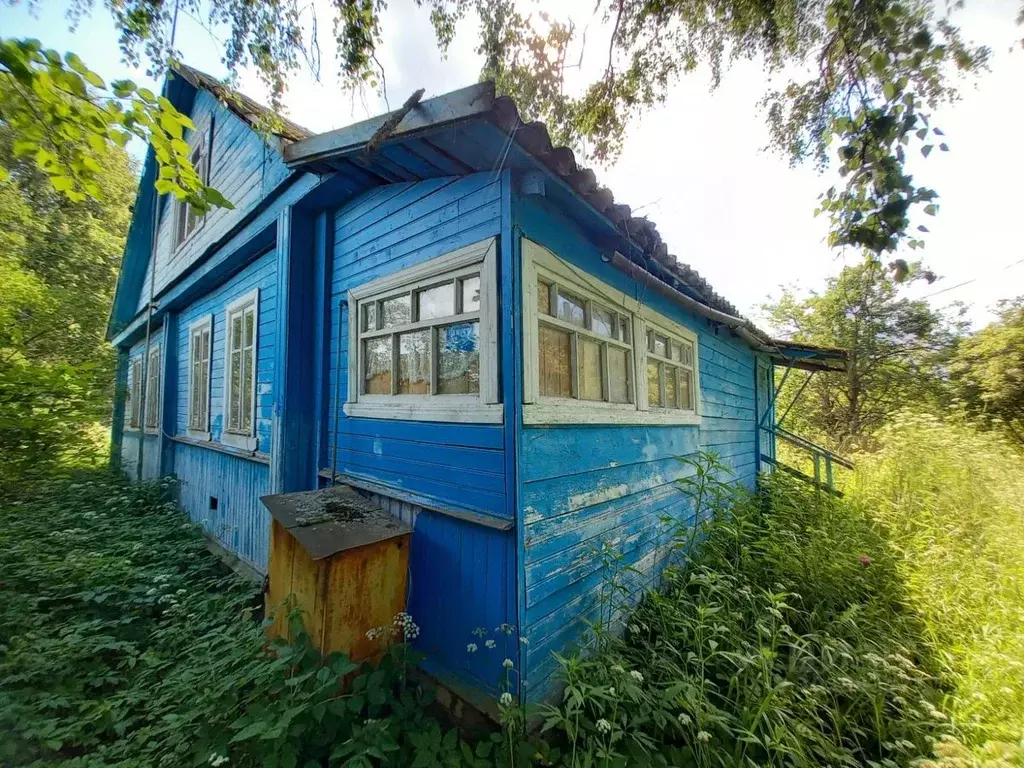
582,486
462,574
241,523
131,438
261,274
384,231
245,169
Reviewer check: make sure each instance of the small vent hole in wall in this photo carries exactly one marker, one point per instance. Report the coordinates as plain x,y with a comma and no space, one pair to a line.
213,503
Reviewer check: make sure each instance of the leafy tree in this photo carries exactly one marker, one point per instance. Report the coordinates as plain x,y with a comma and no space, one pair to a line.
870,73
899,349
988,371
58,267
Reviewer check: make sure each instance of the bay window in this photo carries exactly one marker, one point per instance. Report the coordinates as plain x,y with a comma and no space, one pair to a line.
422,343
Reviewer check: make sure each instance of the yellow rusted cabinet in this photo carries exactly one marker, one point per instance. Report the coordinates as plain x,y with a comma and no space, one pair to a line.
343,560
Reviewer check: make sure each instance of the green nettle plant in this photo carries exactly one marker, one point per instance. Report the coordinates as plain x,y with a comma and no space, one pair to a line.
780,639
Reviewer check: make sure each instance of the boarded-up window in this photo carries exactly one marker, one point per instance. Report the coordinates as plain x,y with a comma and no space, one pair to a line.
200,337
240,363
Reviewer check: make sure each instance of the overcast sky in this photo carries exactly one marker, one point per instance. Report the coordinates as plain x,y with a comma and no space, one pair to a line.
697,166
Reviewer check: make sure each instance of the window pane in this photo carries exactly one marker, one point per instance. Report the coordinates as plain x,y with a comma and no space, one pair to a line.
602,321
247,389
686,390
459,363
250,319
543,298
554,350
377,366
370,316
677,351
570,308
395,311
236,331
624,329
618,375
653,388
438,301
670,386
660,345
687,354
414,363
236,390
590,370
471,294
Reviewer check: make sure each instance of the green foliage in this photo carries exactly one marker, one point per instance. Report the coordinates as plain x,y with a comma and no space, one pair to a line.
126,642
784,640
58,266
67,119
988,371
898,348
951,501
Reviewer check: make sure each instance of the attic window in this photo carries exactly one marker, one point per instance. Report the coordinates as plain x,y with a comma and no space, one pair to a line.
593,354
422,342
187,218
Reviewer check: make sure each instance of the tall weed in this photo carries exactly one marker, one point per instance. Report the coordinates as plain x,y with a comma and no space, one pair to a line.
951,501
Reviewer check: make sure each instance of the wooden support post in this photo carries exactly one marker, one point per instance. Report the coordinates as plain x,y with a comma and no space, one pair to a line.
817,469
828,472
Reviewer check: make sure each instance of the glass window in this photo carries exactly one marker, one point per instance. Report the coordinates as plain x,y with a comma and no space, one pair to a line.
425,358
199,377
669,372
240,388
153,388
583,350
135,392
187,218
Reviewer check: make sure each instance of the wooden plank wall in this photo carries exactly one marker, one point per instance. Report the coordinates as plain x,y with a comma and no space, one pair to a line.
581,486
462,575
262,274
384,231
244,170
241,523
461,578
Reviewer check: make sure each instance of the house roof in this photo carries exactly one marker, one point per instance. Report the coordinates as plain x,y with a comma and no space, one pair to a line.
252,112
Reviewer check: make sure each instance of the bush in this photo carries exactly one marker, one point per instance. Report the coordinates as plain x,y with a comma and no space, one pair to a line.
784,639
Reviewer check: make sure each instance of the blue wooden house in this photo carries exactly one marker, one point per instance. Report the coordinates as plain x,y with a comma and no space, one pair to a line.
439,308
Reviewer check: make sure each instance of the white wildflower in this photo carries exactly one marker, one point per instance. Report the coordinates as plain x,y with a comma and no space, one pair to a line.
524,640
506,699
507,664
684,719
471,648
216,760
617,669
703,736
604,726
151,592
636,676
489,644
611,691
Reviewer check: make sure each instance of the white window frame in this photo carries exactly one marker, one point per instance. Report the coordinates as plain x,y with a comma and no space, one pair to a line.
154,387
135,392
196,330
672,335
201,144
538,262
246,440
484,407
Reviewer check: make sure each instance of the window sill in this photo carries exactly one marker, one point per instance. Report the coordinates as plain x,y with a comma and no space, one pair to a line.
196,434
241,442
260,458
463,413
572,412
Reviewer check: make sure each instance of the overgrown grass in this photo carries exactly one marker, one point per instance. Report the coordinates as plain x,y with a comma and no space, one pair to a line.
124,642
951,502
